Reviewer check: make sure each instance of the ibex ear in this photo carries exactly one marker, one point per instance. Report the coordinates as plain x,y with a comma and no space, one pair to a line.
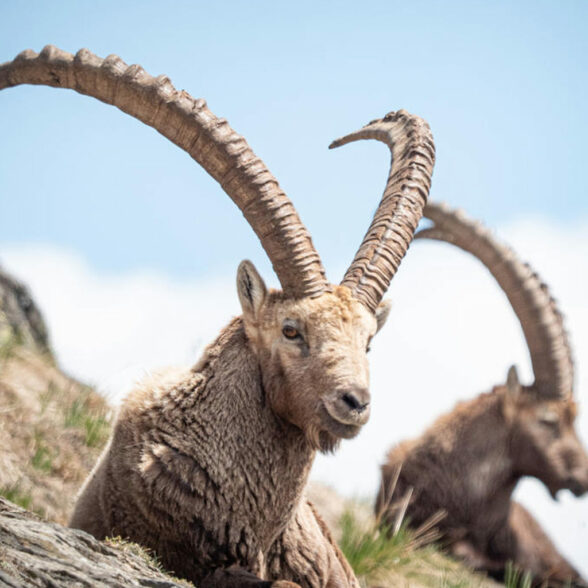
513,392
251,289
513,385
382,312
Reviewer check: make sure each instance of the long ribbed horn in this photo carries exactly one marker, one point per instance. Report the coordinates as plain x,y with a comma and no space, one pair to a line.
537,311
384,245
209,140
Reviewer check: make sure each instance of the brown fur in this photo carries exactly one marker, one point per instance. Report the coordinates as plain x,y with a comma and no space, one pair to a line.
468,464
208,467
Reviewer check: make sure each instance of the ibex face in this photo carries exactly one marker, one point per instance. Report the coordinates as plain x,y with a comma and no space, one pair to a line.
312,353
545,442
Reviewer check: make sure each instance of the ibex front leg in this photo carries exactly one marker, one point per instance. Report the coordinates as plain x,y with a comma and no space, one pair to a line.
307,554
236,577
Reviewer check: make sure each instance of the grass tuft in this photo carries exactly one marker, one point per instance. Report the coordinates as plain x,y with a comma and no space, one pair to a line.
9,342
378,555
42,459
15,494
145,554
516,578
381,558
370,549
93,422
392,554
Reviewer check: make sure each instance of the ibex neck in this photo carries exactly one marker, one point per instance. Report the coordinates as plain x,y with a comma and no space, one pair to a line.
260,463
480,451
465,455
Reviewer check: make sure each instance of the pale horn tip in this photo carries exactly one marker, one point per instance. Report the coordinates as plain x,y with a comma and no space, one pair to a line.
347,138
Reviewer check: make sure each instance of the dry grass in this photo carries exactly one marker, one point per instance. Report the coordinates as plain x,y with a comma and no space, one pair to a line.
9,343
381,557
51,431
82,414
15,494
516,578
394,555
146,555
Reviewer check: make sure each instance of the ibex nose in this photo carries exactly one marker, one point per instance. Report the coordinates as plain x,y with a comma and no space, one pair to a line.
577,487
579,482
357,399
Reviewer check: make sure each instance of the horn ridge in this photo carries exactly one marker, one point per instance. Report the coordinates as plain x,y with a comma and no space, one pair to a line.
209,140
536,309
405,195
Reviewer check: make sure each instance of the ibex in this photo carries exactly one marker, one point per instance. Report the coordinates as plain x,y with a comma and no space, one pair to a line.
208,466
470,460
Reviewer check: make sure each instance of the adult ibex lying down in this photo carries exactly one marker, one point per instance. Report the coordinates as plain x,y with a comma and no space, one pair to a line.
470,460
208,466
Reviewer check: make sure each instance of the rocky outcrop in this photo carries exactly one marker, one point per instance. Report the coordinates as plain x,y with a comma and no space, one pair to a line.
21,321
37,553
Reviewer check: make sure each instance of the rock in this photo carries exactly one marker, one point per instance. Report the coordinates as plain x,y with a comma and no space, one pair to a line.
37,553
21,321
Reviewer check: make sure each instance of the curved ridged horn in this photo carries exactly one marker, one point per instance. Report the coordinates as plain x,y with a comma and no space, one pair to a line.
405,195
537,311
209,140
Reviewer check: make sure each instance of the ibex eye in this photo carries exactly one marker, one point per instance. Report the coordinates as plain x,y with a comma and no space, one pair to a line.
290,332
550,418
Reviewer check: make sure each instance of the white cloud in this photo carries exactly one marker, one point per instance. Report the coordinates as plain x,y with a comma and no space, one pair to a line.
451,335
109,330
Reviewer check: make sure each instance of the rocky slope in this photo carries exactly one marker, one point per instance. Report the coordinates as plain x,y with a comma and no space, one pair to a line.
52,428
34,552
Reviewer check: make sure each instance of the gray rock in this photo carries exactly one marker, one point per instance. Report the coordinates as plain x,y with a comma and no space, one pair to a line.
37,553
21,321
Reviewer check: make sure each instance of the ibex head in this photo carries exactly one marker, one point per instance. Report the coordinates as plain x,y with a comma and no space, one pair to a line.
544,441
312,337
313,356
540,416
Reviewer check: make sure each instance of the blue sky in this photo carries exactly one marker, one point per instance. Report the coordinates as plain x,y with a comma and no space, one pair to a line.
503,85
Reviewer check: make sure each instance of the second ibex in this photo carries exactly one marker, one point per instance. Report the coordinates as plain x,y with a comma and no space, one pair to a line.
469,461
